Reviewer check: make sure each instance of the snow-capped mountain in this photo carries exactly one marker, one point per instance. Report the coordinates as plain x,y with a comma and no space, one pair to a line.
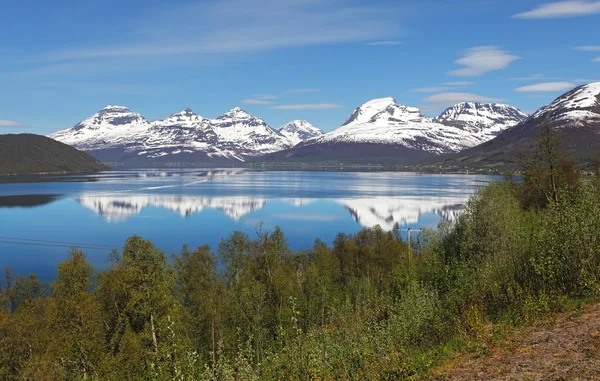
251,136
485,120
115,133
109,127
383,121
575,115
298,131
382,126
579,107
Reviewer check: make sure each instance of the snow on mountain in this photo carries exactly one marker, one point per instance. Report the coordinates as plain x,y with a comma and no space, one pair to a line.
234,135
121,134
485,120
575,116
576,108
298,131
109,127
386,122
251,136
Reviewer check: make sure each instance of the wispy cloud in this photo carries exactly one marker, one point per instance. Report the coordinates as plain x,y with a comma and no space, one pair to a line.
596,59
585,80
482,59
448,99
302,91
265,96
237,26
383,43
588,48
253,101
546,87
307,106
433,89
459,83
11,123
534,77
561,9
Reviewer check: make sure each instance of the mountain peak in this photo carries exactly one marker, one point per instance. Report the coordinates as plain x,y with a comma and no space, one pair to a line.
583,102
481,118
383,109
185,112
238,112
115,108
298,131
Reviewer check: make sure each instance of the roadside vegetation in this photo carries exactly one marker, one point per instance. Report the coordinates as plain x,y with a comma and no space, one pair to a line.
364,308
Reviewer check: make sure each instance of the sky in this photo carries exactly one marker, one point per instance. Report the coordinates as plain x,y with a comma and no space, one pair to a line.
62,61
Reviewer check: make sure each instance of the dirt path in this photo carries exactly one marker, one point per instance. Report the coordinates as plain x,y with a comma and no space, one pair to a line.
566,349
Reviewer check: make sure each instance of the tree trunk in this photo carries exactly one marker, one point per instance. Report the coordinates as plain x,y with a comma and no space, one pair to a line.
214,359
154,341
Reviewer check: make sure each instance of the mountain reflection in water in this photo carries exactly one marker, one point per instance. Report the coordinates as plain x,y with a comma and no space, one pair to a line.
382,211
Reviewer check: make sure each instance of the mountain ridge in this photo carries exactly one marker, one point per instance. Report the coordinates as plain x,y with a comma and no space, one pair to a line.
23,154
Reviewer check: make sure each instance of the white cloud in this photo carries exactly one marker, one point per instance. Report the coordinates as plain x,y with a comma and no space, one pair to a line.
201,27
253,101
546,87
10,123
308,106
433,89
384,43
596,59
562,9
482,59
447,99
302,91
587,48
459,83
533,77
265,96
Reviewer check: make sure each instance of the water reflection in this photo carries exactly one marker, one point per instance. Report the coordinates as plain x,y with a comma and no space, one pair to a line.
368,212
120,208
202,206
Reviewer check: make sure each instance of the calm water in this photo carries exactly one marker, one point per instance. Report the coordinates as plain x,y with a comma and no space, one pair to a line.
201,207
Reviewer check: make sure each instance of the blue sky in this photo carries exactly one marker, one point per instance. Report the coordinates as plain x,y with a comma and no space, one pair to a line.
61,61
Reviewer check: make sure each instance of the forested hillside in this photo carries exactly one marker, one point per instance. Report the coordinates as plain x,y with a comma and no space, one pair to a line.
365,308
29,154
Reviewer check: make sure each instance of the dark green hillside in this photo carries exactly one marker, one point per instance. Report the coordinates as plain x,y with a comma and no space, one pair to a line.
29,153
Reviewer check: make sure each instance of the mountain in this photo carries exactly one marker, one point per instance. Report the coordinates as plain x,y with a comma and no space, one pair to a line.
575,116
485,120
298,131
116,134
30,154
382,130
